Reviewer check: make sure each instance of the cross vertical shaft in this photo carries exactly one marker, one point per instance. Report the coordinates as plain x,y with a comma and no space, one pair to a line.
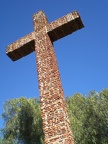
56,125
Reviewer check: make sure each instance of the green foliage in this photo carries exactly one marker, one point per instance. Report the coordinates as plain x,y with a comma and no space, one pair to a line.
76,106
88,118
22,121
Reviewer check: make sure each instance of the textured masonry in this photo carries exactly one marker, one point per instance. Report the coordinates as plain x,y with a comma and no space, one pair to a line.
56,125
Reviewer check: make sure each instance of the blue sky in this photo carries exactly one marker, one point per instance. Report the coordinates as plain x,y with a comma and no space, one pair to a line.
82,56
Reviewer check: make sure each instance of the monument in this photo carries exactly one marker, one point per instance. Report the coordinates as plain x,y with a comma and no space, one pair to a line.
56,125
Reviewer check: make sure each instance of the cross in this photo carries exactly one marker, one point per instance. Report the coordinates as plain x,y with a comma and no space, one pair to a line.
56,125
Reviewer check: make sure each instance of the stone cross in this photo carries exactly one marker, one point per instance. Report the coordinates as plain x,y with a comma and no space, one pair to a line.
56,125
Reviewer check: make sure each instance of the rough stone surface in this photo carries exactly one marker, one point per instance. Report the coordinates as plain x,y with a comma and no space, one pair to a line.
56,125
54,112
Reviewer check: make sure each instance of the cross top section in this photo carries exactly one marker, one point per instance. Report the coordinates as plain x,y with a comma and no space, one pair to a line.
39,21
55,30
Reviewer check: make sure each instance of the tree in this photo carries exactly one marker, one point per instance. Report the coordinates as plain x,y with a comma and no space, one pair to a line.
96,120
23,122
76,108
89,117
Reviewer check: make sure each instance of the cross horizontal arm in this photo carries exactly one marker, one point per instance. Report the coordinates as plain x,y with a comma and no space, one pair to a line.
64,26
56,30
21,47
